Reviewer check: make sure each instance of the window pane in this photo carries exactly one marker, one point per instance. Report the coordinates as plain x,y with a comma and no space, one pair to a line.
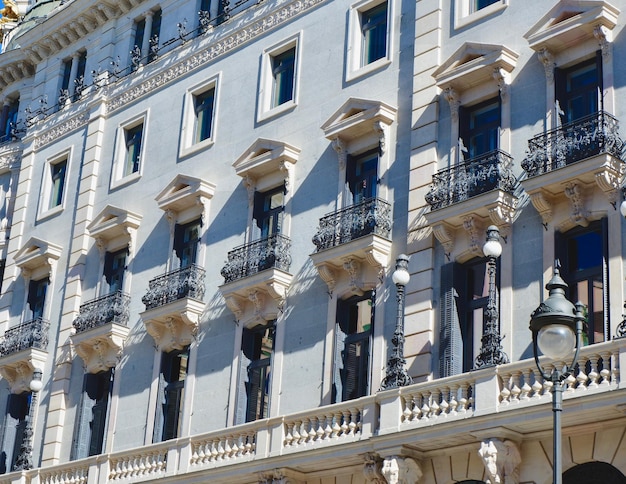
203,105
483,123
57,174
283,67
480,4
362,176
133,149
257,346
374,30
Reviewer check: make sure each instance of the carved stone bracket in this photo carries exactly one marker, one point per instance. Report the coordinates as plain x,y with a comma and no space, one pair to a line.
17,369
353,267
282,476
372,469
502,460
543,205
401,470
328,275
340,148
175,325
610,179
575,193
445,235
603,36
475,232
547,59
101,348
455,103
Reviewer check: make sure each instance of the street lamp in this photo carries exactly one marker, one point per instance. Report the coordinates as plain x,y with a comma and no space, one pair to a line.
556,326
491,353
24,459
396,375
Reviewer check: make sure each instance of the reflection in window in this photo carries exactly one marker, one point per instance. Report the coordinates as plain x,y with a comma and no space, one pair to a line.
374,34
283,72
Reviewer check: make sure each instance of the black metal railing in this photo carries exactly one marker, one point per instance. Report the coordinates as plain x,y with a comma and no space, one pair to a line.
30,334
112,308
174,285
372,216
589,136
491,171
249,259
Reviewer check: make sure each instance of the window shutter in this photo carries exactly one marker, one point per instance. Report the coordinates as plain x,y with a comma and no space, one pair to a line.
559,95
99,412
464,134
173,401
179,241
15,418
108,266
338,364
600,80
157,435
350,377
450,339
253,385
242,397
82,432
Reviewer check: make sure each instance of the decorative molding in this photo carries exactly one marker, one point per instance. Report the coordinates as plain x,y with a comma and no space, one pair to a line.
501,460
372,469
575,193
471,227
218,49
61,129
602,35
401,470
547,59
543,205
454,102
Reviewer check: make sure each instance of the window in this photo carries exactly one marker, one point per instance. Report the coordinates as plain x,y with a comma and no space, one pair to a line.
583,255
147,31
353,331
14,426
170,397
72,78
374,31
362,176
480,4
57,179
203,109
65,80
92,414
9,119
132,137
283,72
114,268
469,11
186,242
278,86
268,211
578,88
36,298
257,347
479,128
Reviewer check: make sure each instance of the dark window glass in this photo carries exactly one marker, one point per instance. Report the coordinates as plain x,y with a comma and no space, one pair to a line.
114,268
480,4
203,107
57,173
11,118
186,240
374,31
283,70
14,426
257,348
67,70
140,28
155,32
171,393
479,129
362,176
269,208
583,254
578,90
133,149
355,318
37,297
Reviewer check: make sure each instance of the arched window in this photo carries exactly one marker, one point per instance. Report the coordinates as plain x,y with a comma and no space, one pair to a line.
593,473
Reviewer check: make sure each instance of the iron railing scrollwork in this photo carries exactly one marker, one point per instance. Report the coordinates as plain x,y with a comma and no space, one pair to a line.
592,135
491,171
174,285
249,259
112,308
29,334
372,216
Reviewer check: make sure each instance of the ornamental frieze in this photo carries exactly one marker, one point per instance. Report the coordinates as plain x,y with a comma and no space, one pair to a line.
61,129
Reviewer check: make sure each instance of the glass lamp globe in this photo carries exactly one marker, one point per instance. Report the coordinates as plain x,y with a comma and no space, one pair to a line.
401,277
622,208
556,341
36,385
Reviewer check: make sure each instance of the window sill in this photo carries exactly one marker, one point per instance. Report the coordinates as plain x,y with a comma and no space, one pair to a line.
367,69
127,180
50,213
271,113
195,148
461,21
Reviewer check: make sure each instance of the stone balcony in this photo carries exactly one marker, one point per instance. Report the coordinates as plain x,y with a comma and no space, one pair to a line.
468,197
256,279
434,422
174,303
22,349
576,157
101,329
349,237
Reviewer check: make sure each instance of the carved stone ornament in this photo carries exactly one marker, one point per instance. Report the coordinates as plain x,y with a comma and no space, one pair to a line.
579,214
502,460
455,103
281,476
547,59
401,470
372,469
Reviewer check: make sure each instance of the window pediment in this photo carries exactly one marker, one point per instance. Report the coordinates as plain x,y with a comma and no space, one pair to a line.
569,23
474,64
266,157
357,118
114,223
37,255
185,195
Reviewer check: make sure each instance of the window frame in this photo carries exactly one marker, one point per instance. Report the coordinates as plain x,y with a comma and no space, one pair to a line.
249,339
46,207
119,176
188,144
266,108
466,132
355,66
160,433
465,14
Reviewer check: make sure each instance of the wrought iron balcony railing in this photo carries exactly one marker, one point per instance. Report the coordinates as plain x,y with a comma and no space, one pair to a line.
372,216
249,259
592,135
174,285
112,308
491,171
30,334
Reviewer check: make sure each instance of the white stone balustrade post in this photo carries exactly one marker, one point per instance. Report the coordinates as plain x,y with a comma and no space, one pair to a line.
390,411
486,391
270,440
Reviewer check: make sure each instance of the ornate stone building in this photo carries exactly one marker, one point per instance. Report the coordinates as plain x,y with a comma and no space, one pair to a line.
202,202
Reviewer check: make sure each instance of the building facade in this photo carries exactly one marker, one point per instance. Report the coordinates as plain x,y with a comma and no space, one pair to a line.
183,300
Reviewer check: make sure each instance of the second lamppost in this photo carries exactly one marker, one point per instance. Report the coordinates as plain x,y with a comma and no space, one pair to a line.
24,459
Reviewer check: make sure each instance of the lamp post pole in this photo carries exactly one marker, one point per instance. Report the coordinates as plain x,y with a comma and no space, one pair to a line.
491,353
396,374
24,459
556,326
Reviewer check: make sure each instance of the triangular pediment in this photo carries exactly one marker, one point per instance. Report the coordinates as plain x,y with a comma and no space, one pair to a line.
112,222
473,64
569,23
186,197
36,253
355,118
265,157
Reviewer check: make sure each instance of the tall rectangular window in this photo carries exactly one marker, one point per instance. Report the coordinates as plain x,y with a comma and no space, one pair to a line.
479,128
37,298
269,208
186,242
147,30
362,176
170,395
9,118
13,432
583,252
66,74
203,108
283,72
57,182
353,334
257,347
92,414
578,89
114,269
133,139
374,34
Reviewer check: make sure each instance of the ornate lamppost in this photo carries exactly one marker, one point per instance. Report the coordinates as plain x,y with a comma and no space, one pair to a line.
396,374
491,353
556,326
24,459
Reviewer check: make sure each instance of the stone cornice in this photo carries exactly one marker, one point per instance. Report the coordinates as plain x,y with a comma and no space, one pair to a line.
61,129
216,50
